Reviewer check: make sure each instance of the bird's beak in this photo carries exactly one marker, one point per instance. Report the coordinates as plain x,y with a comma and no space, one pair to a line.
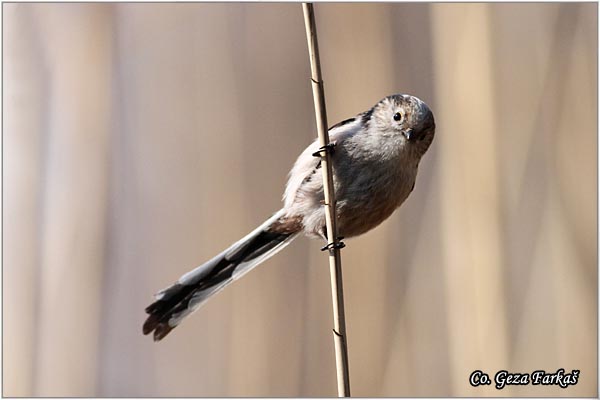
408,134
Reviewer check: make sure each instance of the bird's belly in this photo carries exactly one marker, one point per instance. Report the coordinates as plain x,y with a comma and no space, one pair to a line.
361,211
364,200
359,218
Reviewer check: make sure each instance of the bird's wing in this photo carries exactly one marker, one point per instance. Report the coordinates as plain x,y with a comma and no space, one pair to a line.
307,164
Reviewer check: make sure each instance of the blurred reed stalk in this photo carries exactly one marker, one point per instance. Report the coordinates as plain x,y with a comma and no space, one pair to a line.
334,244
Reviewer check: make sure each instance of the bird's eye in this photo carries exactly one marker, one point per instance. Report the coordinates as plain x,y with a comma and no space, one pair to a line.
398,116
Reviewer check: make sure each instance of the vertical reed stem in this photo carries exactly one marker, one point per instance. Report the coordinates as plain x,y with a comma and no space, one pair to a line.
335,261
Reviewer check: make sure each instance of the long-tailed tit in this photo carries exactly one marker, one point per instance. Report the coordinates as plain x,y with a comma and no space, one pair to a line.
374,169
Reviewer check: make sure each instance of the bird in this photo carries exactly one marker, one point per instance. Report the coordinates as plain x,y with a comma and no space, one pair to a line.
375,157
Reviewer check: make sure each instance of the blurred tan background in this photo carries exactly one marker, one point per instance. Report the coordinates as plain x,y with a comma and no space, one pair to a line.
141,139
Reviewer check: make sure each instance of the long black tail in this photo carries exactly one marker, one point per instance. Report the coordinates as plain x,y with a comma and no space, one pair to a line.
194,288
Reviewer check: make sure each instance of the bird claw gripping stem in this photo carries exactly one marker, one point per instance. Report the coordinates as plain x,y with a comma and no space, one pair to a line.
335,245
328,148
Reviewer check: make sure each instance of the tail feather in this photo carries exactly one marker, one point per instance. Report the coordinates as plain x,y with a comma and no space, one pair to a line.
194,288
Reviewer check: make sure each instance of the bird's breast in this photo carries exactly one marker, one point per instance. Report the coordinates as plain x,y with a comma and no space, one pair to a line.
370,197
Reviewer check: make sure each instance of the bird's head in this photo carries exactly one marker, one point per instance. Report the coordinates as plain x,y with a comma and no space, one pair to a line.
405,118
